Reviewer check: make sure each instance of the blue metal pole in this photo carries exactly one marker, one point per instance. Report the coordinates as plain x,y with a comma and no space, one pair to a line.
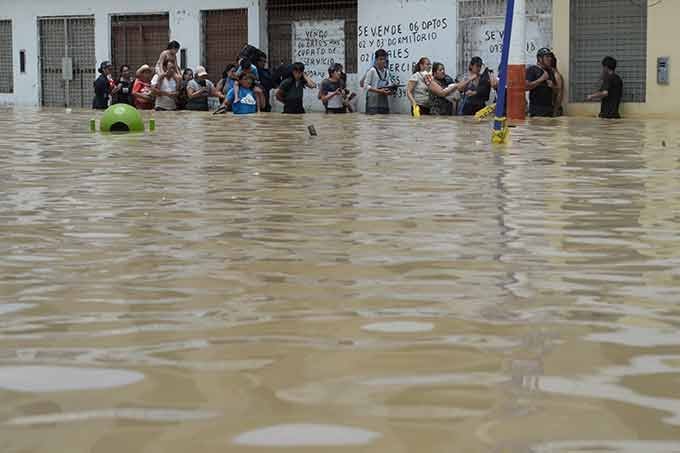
499,122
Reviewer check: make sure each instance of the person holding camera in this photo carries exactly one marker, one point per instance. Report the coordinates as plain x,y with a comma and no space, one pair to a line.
540,85
332,90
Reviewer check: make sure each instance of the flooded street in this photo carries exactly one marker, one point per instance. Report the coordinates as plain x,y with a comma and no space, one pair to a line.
392,285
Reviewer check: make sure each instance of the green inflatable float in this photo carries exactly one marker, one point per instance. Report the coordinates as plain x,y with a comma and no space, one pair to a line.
122,118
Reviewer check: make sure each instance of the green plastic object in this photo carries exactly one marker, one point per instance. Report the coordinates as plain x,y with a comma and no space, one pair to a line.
121,118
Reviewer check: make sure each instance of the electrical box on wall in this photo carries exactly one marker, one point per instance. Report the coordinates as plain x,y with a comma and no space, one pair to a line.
663,70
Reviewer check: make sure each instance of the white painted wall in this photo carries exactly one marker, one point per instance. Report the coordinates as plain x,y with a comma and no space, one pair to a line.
408,29
185,27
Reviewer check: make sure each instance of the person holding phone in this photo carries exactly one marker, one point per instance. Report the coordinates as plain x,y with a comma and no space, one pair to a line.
199,90
332,90
476,89
540,85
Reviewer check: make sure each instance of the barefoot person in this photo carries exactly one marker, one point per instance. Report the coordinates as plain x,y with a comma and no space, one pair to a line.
169,55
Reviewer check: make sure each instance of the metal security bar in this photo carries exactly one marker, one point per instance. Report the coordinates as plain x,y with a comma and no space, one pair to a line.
138,39
6,57
475,14
67,43
225,32
600,28
80,44
282,13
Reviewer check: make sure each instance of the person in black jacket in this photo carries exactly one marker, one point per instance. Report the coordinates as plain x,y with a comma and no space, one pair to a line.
266,81
102,87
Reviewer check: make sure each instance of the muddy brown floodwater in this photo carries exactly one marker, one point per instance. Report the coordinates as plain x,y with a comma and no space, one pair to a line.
392,285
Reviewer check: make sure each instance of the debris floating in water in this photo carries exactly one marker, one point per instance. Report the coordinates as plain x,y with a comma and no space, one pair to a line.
663,143
312,131
544,161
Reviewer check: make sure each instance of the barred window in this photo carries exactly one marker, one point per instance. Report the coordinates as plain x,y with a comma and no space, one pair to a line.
600,28
138,39
6,58
283,13
225,32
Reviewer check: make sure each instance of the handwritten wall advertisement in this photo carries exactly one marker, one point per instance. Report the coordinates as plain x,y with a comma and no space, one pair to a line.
488,42
407,30
318,44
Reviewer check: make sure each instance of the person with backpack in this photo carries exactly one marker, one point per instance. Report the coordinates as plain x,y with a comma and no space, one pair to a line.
376,83
476,89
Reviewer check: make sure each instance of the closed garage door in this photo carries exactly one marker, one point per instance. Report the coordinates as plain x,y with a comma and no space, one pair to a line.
225,32
139,39
67,44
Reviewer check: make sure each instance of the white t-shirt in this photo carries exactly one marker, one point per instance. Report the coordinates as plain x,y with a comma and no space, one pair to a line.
165,86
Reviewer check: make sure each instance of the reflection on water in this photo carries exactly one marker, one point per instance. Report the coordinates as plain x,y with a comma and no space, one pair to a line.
390,285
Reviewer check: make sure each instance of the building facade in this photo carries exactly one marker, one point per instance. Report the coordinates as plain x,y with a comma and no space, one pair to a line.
635,32
49,50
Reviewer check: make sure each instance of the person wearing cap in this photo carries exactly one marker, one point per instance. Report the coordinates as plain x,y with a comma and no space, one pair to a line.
199,90
540,85
331,92
476,88
141,89
102,87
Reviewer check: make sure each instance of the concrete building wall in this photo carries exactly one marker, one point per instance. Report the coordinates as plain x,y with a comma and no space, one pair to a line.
185,27
662,100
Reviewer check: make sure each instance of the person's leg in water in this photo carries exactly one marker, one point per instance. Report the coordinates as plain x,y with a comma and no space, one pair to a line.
261,101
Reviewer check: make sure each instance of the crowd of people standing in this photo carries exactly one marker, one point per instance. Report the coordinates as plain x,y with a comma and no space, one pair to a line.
246,85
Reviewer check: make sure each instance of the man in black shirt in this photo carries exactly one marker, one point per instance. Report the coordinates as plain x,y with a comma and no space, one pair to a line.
102,87
540,84
291,90
611,90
